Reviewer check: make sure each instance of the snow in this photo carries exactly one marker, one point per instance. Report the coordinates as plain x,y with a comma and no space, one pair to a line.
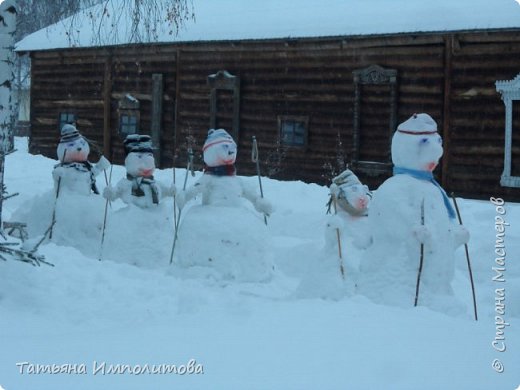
303,329
237,19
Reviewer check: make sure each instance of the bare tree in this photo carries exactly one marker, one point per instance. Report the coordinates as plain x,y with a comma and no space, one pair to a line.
106,18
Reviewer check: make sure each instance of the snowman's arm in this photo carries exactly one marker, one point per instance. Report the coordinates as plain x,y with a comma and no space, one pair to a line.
167,191
101,165
113,193
184,196
460,235
57,174
261,205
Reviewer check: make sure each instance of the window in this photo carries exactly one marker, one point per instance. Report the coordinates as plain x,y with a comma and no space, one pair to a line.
129,115
128,124
293,130
66,118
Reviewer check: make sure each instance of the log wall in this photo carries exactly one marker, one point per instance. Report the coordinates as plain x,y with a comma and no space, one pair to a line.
449,76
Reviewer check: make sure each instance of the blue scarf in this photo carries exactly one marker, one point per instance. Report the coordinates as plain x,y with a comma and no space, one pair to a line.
427,176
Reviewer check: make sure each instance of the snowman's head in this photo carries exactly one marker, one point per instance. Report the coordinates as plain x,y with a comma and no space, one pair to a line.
219,148
139,161
416,144
357,196
72,147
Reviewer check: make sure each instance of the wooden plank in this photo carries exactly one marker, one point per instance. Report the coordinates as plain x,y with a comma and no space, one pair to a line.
107,91
157,112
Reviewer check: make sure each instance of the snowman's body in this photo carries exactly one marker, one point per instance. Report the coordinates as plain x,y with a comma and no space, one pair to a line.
408,210
139,188
231,238
75,173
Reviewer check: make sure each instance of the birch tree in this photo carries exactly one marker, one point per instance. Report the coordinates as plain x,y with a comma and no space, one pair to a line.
7,59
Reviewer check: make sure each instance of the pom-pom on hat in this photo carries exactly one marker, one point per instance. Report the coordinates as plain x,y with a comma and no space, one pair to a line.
216,137
418,124
69,133
138,143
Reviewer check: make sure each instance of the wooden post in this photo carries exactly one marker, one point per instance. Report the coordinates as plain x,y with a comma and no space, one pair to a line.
448,51
156,126
107,109
177,101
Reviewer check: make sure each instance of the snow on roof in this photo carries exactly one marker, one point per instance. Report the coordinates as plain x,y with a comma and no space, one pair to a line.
269,19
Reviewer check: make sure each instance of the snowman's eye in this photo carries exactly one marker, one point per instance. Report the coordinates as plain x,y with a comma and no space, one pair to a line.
423,141
71,144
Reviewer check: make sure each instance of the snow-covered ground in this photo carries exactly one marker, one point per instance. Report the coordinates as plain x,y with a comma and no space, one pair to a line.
301,330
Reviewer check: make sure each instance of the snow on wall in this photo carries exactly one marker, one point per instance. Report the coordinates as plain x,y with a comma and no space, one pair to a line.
269,19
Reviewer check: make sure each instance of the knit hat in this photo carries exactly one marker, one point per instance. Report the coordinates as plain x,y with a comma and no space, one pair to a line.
69,133
216,137
418,124
138,143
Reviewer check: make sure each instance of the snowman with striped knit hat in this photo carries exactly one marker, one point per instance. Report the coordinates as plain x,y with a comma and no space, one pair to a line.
232,238
408,210
74,172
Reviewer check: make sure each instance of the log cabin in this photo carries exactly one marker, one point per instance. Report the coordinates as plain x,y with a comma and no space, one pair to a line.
322,86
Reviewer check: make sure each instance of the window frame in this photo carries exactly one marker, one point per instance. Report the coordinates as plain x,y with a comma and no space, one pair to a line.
304,120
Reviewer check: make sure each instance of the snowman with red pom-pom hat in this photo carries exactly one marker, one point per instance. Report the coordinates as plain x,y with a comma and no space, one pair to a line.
408,210
232,240
74,172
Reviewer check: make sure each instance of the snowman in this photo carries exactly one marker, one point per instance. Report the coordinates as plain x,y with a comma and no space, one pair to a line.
410,210
351,195
223,234
139,187
74,172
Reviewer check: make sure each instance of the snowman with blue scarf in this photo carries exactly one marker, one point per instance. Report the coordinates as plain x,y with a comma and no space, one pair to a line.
407,210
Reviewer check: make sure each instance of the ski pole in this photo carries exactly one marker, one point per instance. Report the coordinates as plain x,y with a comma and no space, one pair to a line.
467,259
189,168
338,237
421,260
105,217
256,160
53,221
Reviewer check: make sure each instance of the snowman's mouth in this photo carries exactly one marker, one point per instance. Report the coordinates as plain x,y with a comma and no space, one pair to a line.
145,172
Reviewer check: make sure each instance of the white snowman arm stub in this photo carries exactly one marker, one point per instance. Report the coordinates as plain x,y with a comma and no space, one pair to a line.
167,191
113,193
184,196
101,165
460,235
261,205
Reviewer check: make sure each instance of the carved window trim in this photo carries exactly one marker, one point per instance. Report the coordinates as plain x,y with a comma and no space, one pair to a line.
510,91
226,81
373,75
295,119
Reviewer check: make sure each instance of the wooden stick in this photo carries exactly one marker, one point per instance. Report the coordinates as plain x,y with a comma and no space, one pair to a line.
255,159
338,237
421,260
467,260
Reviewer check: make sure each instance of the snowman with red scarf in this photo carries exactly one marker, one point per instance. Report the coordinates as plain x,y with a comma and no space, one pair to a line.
232,240
408,210
75,173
